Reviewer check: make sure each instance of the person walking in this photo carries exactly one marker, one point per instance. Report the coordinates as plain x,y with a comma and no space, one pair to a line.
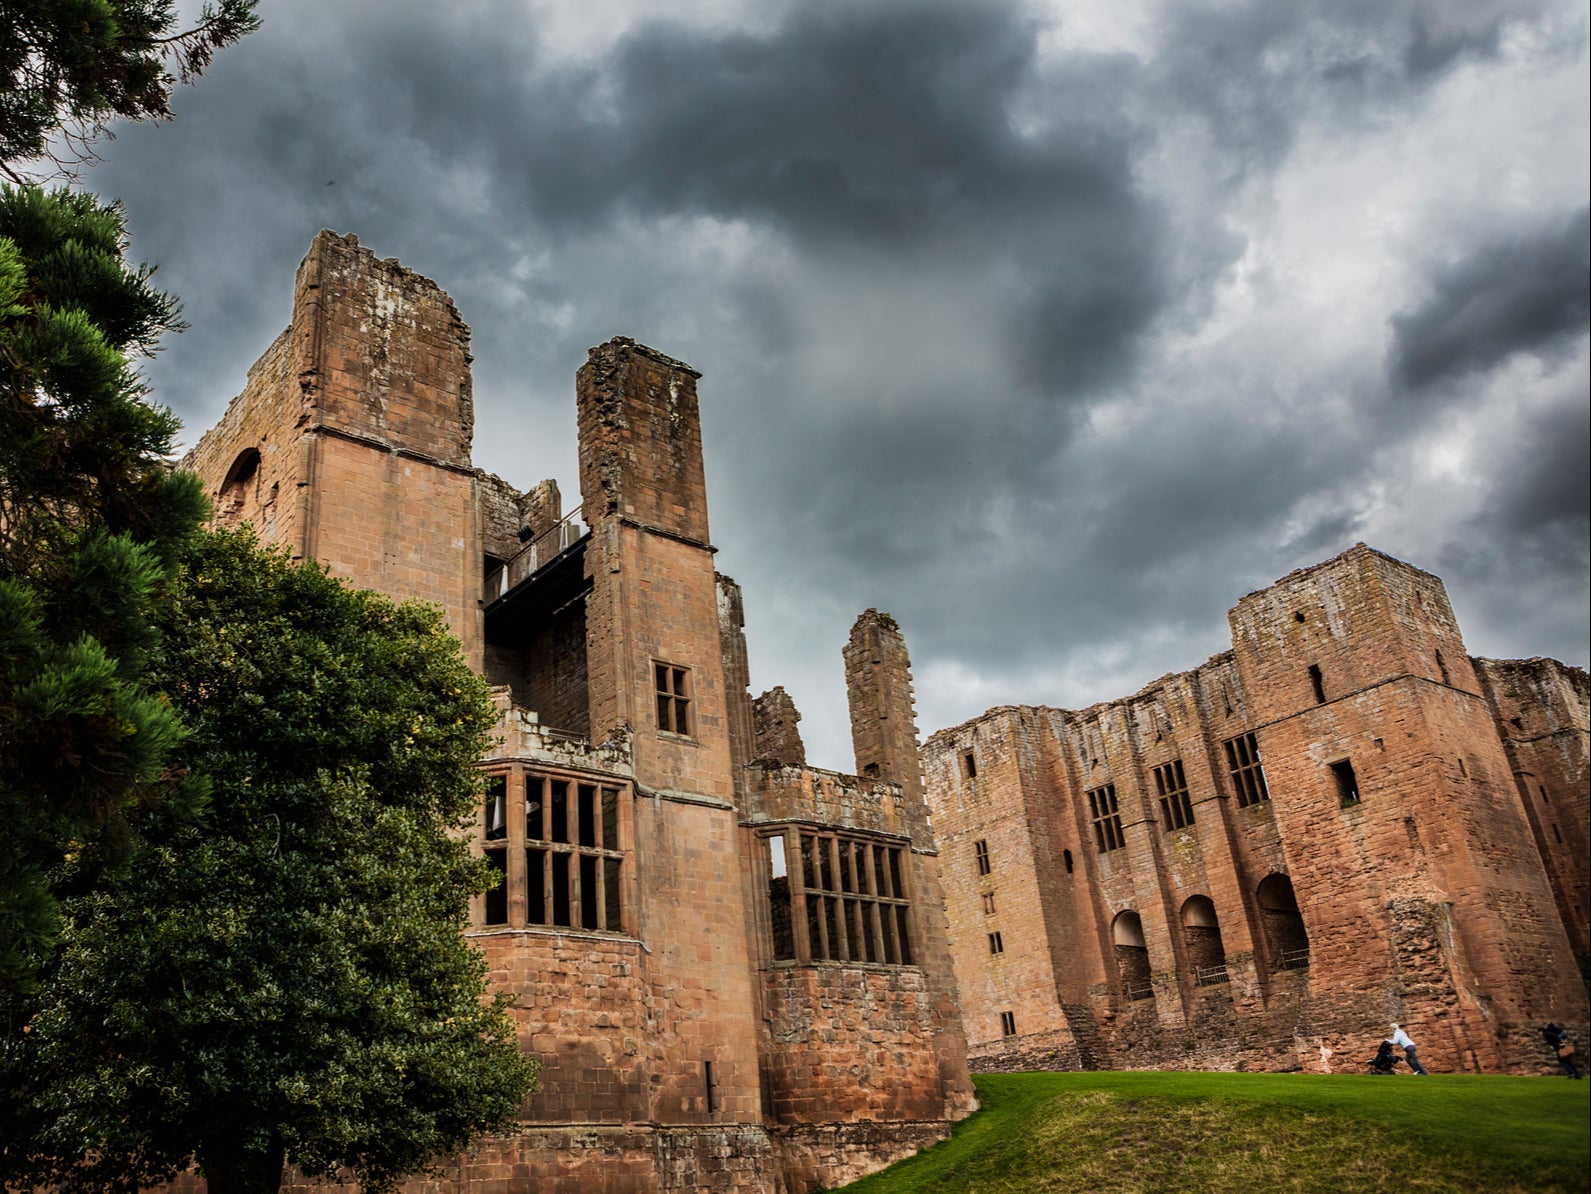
1561,1048
1402,1041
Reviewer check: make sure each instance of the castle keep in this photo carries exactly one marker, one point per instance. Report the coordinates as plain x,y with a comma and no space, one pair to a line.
1341,822
734,966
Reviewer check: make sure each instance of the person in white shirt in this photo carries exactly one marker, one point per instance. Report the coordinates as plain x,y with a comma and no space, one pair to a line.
1402,1041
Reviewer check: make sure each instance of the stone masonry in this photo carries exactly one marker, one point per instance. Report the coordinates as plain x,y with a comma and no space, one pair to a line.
1341,822
733,967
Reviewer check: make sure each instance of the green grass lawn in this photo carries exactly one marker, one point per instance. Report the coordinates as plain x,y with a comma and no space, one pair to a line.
1199,1132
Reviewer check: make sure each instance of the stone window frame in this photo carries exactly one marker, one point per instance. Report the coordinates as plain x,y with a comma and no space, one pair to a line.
980,855
988,903
996,943
674,697
1246,769
1105,811
1176,805
581,867
1346,782
1007,1023
851,891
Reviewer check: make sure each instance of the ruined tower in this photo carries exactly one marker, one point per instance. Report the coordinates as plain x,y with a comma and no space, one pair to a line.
687,1042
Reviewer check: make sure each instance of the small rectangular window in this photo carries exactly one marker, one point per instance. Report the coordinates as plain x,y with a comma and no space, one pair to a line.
988,902
980,853
970,765
673,692
996,944
1243,765
1176,808
497,895
1347,782
1008,1023
1107,819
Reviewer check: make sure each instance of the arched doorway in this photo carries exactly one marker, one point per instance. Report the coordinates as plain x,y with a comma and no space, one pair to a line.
1201,937
1285,937
1132,956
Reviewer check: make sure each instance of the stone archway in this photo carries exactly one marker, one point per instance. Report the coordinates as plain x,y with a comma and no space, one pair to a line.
1132,956
1286,939
1201,938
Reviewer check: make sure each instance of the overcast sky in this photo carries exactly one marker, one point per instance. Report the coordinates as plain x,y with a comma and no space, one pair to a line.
1051,328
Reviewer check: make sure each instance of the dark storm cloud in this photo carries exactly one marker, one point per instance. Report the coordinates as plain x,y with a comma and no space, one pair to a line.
1255,69
962,292
1522,292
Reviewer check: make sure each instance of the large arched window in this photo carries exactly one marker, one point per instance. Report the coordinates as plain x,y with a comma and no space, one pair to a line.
238,487
1132,956
1201,937
1285,937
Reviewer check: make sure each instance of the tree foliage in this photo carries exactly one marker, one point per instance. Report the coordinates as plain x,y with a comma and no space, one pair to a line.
68,66
285,977
91,517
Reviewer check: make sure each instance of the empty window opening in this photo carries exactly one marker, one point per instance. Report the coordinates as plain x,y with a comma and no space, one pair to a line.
1107,819
1347,782
238,486
1243,765
988,903
1441,666
573,861
996,944
969,764
495,816
1285,937
1461,769
710,1086
1132,956
673,698
1544,797
1413,830
497,894
1007,1023
1317,683
1201,939
1176,807
980,855
852,897
1066,857
784,947
1557,835
1298,616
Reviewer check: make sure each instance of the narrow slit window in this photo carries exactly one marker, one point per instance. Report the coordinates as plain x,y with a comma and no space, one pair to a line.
996,943
980,854
988,903
1347,782
1007,1023
969,764
1318,683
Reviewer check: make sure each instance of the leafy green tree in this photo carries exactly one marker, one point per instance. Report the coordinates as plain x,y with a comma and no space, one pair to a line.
285,978
91,518
67,66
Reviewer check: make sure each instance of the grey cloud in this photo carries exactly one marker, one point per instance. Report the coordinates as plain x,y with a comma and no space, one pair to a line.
1524,292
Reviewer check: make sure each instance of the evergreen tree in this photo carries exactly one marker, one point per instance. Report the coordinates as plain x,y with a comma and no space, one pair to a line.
67,66
284,978
91,517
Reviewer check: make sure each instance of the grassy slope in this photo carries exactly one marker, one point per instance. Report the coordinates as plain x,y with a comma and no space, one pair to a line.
1199,1132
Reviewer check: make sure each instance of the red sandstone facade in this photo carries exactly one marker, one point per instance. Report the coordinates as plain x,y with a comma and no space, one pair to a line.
733,967
1341,822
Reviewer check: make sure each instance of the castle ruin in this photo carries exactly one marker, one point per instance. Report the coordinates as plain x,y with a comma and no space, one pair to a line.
733,966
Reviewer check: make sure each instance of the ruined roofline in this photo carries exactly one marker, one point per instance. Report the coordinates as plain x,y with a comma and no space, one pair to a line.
390,265
1087,711
1578,675
881,787
1358,549
631,344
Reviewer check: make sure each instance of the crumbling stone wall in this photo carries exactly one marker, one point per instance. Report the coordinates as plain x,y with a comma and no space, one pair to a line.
1390,816
777,730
